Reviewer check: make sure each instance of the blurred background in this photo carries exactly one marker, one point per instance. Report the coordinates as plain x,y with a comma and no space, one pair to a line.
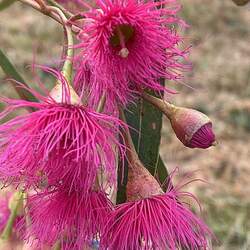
220,86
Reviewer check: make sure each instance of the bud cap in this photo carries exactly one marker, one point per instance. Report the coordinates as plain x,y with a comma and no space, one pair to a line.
192,128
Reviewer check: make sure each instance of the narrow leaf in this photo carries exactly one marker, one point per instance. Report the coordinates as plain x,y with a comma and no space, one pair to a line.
147,123
11,72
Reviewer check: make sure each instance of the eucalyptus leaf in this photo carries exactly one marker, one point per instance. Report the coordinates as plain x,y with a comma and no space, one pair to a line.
11,72
147,123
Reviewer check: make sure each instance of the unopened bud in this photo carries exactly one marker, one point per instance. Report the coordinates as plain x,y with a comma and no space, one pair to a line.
192,128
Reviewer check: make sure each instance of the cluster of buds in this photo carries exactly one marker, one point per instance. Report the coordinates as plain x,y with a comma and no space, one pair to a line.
66,153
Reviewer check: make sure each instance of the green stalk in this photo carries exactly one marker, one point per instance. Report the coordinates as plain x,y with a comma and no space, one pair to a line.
127,137
67,67
6,234
65,11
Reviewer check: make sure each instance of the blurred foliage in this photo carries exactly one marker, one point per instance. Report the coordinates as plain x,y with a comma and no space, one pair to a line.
240,118
5,4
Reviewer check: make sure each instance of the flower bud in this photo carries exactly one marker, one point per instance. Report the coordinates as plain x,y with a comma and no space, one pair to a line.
192,128
240,2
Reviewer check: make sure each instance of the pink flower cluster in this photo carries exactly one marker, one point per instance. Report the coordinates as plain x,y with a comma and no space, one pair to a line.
66,153
127,46
60,150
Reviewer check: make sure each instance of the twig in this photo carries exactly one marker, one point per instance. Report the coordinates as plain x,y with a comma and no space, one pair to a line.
65,11
44,10
37,7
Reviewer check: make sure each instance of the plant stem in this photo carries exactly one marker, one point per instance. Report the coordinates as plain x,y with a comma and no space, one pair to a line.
8,228
131,151
167,108
37,7
67,67
57,14
67,13
45,11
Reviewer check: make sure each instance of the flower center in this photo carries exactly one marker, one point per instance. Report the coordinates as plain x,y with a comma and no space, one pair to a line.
122,35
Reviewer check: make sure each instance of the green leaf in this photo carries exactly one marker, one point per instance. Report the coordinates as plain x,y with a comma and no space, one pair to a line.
11,72
147,123
5,4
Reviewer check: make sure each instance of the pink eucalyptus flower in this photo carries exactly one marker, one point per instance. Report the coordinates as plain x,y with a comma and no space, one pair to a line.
152,219
128,46
74,219
58,144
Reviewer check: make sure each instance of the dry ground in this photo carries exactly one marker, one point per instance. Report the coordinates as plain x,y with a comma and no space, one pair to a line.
220,80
